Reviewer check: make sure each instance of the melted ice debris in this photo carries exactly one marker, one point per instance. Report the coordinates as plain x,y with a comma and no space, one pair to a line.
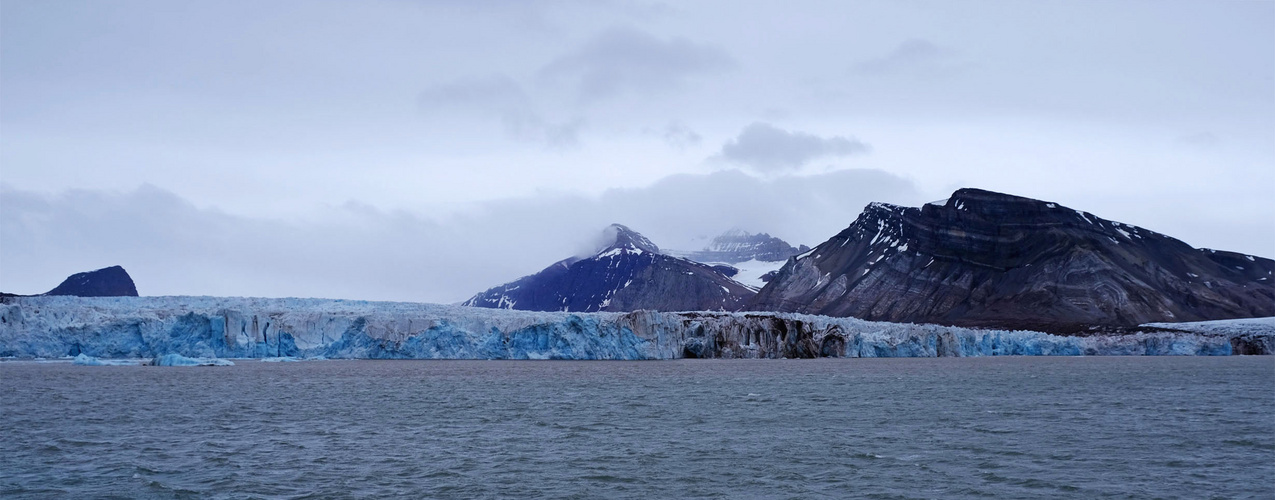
85,360
179,360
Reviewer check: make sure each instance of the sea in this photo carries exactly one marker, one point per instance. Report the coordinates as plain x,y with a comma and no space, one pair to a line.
1013,427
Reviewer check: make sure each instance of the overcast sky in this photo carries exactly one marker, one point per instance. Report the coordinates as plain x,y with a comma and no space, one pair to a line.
424,151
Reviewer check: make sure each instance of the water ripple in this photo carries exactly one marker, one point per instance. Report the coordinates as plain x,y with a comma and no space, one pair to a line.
906,428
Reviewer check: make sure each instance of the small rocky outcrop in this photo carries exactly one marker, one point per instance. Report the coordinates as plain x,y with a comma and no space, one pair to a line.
111,281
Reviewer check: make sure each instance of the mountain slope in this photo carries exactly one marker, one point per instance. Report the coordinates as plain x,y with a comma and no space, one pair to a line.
990,259
628,274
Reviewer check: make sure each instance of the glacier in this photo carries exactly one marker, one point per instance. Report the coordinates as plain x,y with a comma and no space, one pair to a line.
290,328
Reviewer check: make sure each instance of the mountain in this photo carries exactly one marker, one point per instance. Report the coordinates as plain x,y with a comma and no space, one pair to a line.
736,245
995,260
751,259
628,273
111,281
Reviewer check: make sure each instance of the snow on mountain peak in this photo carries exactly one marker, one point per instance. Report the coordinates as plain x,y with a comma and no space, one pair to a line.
619,236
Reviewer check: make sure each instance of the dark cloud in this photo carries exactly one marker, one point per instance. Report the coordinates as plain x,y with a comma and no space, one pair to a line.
172,247
626,59
767,148
502,97
915,57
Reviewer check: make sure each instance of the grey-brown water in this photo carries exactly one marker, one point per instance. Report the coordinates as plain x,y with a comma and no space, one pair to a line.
874,428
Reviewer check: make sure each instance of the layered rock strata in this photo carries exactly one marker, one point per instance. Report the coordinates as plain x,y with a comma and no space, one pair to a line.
987,259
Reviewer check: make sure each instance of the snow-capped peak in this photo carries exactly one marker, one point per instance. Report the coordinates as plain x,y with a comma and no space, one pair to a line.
620,237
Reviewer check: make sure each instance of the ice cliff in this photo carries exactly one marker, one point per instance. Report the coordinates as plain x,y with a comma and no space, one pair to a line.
215,327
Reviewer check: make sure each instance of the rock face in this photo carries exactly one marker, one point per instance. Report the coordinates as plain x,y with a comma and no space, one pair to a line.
628,274
111,281
994,260
737,245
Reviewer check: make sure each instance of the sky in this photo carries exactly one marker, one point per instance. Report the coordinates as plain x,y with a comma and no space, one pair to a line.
428,150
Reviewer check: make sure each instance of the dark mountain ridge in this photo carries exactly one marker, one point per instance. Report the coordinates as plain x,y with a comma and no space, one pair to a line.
989,259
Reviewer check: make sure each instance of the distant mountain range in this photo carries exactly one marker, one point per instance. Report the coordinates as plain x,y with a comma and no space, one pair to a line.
736,245
626,274
988,259
979,258
751,259
111,281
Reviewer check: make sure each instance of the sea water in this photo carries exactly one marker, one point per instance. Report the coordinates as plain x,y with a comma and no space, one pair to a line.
1017,427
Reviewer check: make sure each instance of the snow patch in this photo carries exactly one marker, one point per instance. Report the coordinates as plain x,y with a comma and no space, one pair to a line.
750,272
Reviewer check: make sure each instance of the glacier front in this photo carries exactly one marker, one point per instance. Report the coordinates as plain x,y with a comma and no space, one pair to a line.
226,327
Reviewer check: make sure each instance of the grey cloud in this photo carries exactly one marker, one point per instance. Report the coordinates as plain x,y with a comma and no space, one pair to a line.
495,93
504,98
765,147
914,57
354,251
1201,140
678,136
625,59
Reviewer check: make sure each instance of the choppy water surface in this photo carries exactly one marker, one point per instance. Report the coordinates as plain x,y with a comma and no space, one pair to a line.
875,428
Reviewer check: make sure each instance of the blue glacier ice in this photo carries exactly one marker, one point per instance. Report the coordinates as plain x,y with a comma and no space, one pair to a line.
231,327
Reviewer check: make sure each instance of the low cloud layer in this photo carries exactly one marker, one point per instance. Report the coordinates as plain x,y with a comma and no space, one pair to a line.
172,247
767,148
